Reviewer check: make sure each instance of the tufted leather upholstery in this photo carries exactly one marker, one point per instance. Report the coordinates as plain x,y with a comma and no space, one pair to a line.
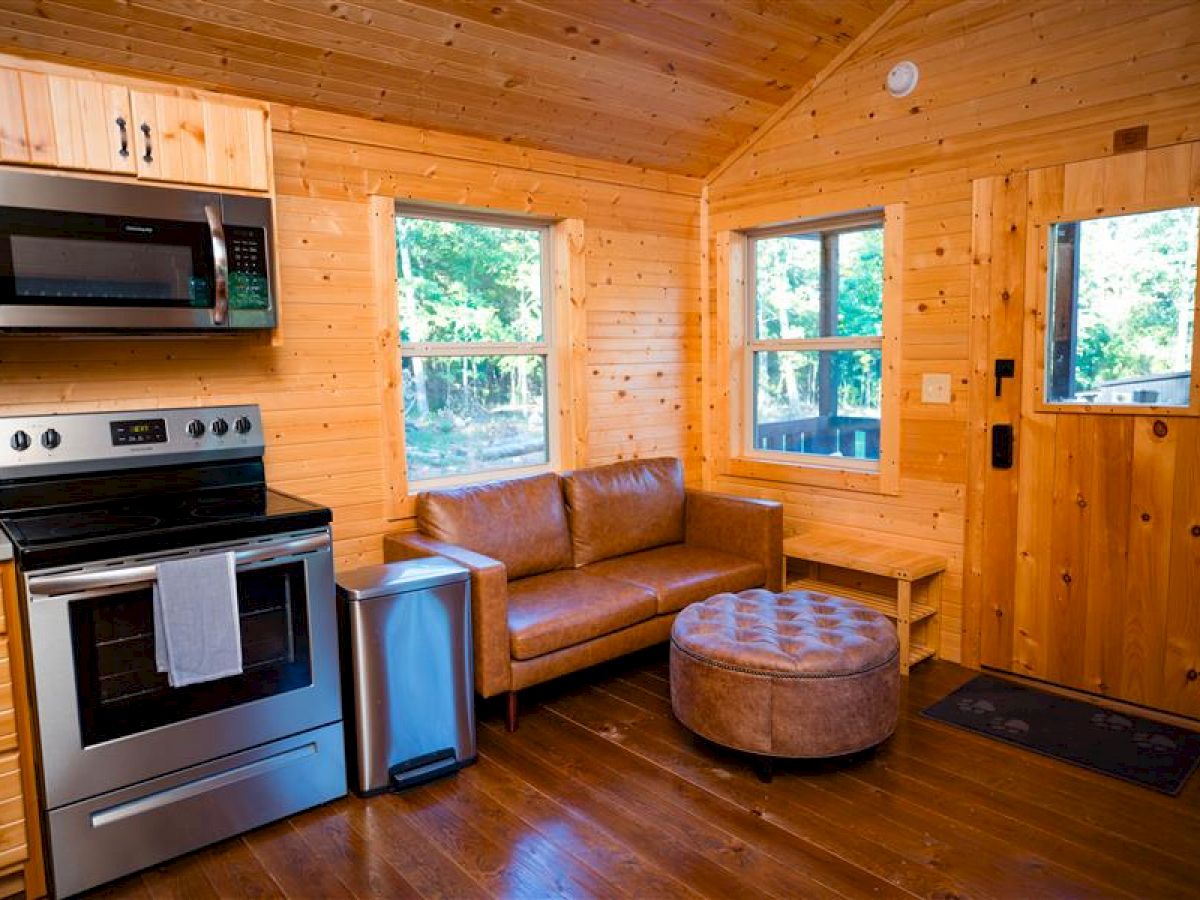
797,674
794,633
532,619
624,507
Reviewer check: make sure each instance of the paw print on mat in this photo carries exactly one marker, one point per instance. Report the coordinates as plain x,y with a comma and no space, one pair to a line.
1111,722
1015,727
977,707
1155,743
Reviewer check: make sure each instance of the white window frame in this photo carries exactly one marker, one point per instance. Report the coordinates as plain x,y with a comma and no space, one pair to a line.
825,226
544,348
731,377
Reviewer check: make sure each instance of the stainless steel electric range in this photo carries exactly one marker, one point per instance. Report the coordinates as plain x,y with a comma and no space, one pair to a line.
131,770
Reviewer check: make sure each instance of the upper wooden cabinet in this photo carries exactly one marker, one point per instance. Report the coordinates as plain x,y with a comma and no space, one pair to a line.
201,140
96,126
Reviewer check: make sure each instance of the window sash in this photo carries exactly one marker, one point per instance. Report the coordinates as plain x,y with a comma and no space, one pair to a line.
543,348
494,220
824,228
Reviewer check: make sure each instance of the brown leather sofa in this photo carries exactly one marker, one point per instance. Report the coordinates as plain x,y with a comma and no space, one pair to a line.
568,571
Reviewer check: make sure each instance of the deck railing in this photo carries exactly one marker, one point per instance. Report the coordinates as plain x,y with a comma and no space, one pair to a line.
845,435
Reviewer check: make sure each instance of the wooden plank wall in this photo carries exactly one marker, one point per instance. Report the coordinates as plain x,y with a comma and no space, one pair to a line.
1004,87
320,383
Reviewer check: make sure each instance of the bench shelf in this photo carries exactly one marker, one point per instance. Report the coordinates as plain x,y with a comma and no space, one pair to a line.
904,585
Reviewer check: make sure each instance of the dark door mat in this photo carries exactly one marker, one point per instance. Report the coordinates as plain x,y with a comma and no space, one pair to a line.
1147,753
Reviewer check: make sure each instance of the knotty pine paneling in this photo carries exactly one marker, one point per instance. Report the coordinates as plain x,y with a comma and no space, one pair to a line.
674,84
319,384
1004,87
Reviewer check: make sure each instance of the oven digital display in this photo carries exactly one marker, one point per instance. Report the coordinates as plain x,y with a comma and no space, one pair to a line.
139,431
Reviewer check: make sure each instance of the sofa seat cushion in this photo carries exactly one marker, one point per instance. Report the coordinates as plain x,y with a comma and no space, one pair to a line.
521,522
560,609
624,507
681,574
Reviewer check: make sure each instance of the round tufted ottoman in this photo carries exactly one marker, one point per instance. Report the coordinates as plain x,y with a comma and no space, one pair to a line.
796,674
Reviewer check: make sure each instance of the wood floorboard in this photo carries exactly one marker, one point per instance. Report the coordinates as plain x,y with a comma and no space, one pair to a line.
602,793
335,843
233,871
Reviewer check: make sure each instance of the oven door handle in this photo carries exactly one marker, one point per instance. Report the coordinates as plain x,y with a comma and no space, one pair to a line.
137,576
220,264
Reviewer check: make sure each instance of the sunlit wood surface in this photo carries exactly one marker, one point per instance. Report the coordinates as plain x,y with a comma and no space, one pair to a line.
602,793
672,84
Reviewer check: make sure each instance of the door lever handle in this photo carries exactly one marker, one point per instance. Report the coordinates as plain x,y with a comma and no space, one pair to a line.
1004,368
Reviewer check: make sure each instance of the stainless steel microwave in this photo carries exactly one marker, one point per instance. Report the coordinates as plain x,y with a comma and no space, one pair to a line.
78,255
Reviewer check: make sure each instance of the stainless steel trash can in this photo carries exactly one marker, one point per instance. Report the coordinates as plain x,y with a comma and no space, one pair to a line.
409,683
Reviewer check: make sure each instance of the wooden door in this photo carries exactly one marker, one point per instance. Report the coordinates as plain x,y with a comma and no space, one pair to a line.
1089,547
200,140
68,123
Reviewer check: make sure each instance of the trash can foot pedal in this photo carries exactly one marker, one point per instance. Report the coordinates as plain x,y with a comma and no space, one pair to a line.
421,769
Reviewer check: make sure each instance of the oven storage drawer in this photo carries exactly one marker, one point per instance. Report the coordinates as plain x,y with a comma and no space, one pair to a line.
104,837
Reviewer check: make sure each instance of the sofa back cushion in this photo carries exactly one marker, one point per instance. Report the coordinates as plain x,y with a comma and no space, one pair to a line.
624,507
521,522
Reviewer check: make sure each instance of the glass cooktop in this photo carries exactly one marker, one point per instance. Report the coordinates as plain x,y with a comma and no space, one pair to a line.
184,518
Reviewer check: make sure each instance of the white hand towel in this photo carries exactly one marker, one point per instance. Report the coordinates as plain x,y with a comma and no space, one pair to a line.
197,633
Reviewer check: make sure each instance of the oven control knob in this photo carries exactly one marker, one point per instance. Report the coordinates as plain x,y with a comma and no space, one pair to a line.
20,441
220,427
195,428
51,439
243,425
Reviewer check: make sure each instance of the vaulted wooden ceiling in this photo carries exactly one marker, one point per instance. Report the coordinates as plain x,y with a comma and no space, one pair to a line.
668,84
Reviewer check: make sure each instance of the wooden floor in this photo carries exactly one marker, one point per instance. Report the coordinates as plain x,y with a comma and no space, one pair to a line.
602,793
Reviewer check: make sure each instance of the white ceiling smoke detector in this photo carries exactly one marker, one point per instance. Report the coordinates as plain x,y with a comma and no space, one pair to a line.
902,80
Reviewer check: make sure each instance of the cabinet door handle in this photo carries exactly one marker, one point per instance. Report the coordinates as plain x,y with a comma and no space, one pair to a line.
124,151
149,156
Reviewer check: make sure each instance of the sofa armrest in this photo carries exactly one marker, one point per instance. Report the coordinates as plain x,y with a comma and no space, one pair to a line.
743,526
489,604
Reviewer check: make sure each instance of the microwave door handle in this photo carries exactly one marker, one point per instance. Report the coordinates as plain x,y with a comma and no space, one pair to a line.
220,264
146,575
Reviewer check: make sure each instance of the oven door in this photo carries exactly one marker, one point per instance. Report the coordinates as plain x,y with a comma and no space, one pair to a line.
107,718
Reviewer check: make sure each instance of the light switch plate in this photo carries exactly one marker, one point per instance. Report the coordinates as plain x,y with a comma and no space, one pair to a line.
935,387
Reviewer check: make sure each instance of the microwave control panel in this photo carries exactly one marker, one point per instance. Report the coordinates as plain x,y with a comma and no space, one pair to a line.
248,282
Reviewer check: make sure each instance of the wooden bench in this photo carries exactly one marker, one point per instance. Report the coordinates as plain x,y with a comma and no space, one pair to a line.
904,585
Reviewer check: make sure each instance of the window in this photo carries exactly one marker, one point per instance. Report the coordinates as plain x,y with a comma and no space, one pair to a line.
473,294
1122,309
815,341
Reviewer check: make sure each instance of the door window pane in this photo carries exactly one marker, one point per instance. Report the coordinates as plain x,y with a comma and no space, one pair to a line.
818,401
1122,301
465,414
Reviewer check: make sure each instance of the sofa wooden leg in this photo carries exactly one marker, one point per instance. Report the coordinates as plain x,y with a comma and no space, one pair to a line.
510,719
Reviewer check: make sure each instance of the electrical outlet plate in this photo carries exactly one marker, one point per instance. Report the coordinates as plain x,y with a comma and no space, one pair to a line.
935,387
